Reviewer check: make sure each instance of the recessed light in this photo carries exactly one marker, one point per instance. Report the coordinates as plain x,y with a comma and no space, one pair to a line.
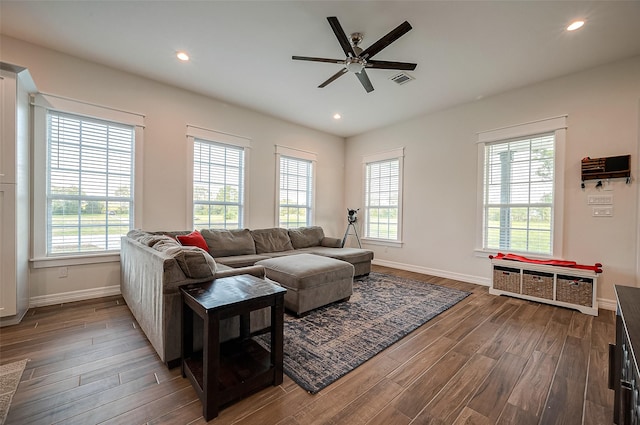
575,25
182,56
337,116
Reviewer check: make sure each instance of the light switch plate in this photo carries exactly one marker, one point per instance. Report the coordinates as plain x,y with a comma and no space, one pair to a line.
600,199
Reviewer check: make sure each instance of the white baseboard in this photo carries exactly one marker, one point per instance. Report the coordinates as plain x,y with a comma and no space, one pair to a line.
434,272
606,304
12,320
68,297
107,291
603,303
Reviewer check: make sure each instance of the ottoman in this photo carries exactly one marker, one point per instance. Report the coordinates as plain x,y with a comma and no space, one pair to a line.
311,281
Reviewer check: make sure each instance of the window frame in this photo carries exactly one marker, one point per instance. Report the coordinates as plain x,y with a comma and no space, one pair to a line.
222,139
42,103
395,154
556,126
297,155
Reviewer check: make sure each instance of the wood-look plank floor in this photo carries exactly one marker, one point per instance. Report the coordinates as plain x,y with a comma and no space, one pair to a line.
487,360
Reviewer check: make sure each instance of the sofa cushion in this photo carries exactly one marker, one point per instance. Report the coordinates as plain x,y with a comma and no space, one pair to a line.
351,255
236,261
281,253
271,240
330,242
193,239
304,271
229,242
304,237
194,262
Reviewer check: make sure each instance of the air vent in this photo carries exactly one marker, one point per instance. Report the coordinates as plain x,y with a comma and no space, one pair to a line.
401,78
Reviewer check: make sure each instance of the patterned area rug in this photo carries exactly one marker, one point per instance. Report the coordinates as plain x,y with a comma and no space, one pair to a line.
10,375
331,341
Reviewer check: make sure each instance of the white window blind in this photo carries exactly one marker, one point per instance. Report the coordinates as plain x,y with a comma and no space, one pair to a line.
218,185
89,183
296,192
519,194
382,199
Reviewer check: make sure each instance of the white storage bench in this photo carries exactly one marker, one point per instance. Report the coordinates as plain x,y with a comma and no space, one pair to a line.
561,286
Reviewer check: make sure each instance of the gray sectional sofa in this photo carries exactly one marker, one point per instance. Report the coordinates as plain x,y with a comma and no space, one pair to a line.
244,247
154,265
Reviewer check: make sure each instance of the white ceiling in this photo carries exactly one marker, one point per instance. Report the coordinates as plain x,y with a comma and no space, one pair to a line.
241,51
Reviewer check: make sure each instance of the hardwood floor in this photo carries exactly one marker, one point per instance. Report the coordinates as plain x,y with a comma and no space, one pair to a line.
487,360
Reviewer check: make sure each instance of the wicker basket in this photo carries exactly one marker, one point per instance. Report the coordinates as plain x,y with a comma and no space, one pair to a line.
574,290
506,279
537,284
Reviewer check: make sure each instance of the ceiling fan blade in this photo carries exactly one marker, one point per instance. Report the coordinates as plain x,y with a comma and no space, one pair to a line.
395,34
334,77
364,80
306,58
403,66
341,36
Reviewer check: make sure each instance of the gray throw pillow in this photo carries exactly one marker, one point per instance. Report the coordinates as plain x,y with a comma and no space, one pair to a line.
227,243
147,238
271,240
194,262
304,237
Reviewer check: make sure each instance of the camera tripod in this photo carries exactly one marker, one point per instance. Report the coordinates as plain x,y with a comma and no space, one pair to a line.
346,233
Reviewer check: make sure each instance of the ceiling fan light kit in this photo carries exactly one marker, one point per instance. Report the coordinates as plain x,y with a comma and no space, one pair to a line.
356,59
355,65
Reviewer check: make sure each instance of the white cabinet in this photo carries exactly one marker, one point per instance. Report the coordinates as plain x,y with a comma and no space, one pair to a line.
561,286
15,86
8,289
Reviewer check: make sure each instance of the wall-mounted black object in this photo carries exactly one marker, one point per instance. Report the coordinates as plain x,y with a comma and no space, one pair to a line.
606,168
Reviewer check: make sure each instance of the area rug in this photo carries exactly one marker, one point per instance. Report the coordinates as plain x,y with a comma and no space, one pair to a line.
331,341
10,375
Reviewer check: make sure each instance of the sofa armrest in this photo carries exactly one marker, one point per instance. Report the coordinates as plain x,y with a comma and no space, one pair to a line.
331,242
257,271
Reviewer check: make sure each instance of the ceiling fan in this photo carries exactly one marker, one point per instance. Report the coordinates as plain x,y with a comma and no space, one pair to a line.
357,59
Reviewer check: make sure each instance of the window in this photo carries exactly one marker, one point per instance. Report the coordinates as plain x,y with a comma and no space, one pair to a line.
86,163
296,177
218,179
89,188
295,187
218,185
518,195
383,196
520,189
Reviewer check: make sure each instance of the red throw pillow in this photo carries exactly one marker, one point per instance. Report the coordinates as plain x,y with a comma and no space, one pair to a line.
193,239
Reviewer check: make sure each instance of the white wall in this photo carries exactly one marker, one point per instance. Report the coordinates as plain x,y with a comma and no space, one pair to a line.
167,112
440,180
603,107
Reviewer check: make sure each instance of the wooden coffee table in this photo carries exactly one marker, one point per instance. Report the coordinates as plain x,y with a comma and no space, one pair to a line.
222,373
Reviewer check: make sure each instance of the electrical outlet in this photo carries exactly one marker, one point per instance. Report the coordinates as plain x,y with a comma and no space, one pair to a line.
602,212
63,272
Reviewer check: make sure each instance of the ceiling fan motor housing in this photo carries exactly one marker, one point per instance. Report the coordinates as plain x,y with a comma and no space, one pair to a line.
357,59
356,38
355,65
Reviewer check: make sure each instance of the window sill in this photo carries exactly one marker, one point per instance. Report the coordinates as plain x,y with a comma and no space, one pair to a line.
484,253
382,242
76,260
